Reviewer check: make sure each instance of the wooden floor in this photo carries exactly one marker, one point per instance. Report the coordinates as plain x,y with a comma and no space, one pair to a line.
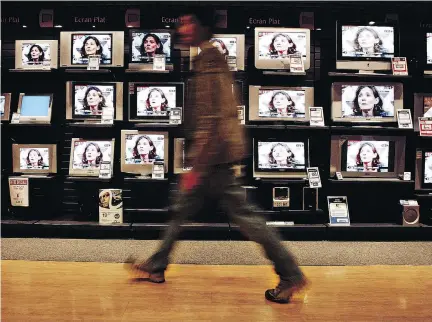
65,291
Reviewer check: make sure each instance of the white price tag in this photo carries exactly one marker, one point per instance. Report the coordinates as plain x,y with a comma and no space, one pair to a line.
316,116
407,176
232,63
93,62
314,177
241,114
425,126
15,118
399,66
159,62
339,176
296,64
105,170
158,170
404,119
175,115
19,191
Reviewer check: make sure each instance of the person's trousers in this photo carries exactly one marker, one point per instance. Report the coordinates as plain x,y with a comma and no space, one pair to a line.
220,183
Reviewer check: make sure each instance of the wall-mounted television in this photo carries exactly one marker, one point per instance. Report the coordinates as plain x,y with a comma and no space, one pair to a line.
275,45
232,46
144,44
87,100
87,155
422,107
364,156
280,157
423,169
280,103
140,149
36,54
180,162
362,102
35,108
76,46
5,100
34,158
150,102
361,46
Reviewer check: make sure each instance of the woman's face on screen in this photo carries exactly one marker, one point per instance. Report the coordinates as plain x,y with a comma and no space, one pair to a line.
366,99
281,43
93,98
280,101
35,53
144,146
91,47
91,153
366,39
150,45
367,154
280,154
156,99
33,157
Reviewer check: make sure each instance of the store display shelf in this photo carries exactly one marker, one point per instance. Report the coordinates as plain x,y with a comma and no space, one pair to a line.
424,196
148,210
368,75
286,127
13,70
186,226
86,71
378,128
72,178
158,125
282,73
147,71
45,125
370,180
282,180
89,125
145,179
36,177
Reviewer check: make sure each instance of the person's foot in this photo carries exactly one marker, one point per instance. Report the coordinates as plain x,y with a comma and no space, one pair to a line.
285,290
140,269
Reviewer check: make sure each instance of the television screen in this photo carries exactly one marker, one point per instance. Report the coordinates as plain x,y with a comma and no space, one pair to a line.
281,155
280,45
227,46
92,99
429,48
368,101
155,100
35,105
427,105
34,158
2,105
87,44
367,156
428,167
281,103
146,44
35,54
90,154
144,149
368,41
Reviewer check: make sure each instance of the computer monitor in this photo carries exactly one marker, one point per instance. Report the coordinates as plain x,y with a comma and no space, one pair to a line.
36,54
363,156
150,102
145,43
140,149
361,46
232,46
87,155
280,103
76,46
180,162
5,99
366,102
87,100
35,108
34,158
423,169
275,45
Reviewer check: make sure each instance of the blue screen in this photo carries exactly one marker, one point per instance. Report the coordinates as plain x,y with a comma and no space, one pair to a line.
35,105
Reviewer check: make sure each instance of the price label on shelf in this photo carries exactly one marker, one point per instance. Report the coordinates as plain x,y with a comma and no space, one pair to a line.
15,118
399,66
425,126
314,177
158,170
296,64
316,116
175,115
159,62
404,119
93,62
105,170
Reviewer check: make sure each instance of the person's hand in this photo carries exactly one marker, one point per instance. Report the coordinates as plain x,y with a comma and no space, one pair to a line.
189,181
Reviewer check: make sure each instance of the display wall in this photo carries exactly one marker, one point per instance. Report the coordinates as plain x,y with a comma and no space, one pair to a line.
65,200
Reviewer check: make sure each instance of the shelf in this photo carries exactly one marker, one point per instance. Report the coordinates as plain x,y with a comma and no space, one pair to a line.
160,125
366,75
89,125
32,124
370,180
85,71
145,179
148,210
424,196
35,176
145,71
188,226
282,180
282,73
286,127
72,178
31,70
369,128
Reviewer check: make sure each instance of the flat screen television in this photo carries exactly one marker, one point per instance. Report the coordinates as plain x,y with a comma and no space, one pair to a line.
87,155
280,157
361,46
362,156
274,45
75,46
36,54
34,158
150,102
87,100
140,149
422,107
362,102
232,46
428,65
280,103
180,162
145,43
423,169
5,100
35,108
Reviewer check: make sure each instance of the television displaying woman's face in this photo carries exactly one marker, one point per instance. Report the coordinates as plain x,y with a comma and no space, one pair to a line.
93,98
219,47
281,101
156,99
144,146
281,43
367,154
366,39
34,157
366,99
150,45
280,154
91,47
92,153
35,53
